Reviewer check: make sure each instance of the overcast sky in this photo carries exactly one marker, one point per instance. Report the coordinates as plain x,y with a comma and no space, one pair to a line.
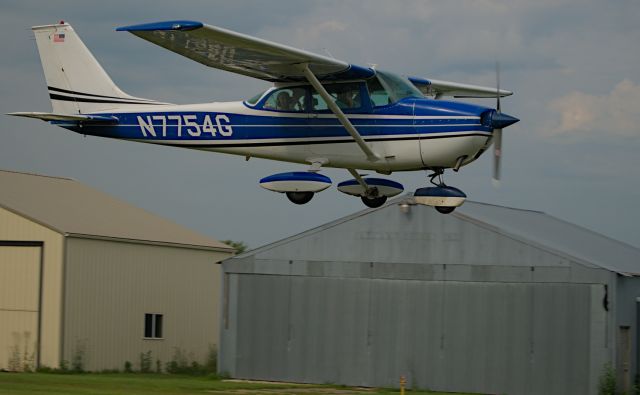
573,65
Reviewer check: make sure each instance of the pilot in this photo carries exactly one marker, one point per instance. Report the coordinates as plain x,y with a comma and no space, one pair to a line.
345,99
283,101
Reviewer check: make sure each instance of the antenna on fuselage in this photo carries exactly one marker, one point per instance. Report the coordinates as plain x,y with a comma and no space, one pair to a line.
328,53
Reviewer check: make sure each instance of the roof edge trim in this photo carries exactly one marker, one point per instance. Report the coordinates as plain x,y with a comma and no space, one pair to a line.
150,242
37,174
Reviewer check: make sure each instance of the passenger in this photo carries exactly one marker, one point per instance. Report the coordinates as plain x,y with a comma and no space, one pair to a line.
297,100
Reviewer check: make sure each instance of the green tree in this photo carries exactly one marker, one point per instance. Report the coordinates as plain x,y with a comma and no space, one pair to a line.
240,246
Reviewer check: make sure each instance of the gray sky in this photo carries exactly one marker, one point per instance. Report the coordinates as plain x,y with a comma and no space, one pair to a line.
573,65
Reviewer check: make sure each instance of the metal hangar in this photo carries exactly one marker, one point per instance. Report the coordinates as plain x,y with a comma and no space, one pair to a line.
488,299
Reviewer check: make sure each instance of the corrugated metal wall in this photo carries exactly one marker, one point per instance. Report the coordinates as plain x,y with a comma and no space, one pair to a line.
450,301
110,287
627,308
490,337
16,228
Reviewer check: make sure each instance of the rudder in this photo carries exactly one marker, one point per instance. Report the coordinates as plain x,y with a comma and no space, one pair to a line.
76,81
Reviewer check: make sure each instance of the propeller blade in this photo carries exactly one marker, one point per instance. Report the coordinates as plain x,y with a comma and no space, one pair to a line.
498,87
497,133
497,153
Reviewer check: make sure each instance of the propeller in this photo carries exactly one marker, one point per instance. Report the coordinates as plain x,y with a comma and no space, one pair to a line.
497,133
497,121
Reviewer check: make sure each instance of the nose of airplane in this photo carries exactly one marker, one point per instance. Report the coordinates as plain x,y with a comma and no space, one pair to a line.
497,120
501,120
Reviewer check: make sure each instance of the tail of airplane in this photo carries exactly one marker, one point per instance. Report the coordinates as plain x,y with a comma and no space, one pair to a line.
76,81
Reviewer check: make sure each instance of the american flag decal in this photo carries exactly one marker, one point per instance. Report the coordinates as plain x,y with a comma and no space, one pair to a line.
58,38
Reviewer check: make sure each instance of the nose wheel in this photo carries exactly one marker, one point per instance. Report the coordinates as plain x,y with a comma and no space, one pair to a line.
444,209
442,197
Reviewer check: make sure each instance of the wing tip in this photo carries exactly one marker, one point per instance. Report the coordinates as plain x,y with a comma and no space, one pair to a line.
181,25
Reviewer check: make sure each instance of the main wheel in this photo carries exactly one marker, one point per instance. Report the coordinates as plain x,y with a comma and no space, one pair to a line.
373,202
299,197
445,209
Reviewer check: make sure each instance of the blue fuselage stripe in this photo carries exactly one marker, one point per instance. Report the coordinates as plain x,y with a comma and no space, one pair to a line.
202,126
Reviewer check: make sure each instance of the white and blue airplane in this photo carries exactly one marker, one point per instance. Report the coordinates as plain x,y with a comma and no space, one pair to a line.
321,112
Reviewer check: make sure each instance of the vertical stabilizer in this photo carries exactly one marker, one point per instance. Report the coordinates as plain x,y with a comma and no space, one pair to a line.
76,81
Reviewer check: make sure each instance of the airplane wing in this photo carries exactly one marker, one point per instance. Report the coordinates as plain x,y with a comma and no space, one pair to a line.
239,53
439,88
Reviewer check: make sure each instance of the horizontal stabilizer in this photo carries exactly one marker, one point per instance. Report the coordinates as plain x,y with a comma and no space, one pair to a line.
48,116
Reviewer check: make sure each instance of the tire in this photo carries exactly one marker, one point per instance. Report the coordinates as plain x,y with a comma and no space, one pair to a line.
445,209
299,197
373,202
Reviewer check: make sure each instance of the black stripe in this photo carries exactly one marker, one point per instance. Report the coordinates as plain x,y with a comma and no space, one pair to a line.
87,94
20,243
317,142
80,99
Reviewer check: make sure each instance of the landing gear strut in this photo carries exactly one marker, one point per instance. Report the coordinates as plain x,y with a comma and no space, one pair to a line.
439,173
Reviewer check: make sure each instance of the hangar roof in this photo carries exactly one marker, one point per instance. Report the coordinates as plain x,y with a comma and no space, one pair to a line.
533,228
555,234
72,208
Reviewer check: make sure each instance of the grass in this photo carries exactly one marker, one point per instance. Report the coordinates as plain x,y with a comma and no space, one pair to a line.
148,384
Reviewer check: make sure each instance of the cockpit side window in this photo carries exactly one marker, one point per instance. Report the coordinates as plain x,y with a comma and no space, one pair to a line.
347,97
387,88
379,96
287,99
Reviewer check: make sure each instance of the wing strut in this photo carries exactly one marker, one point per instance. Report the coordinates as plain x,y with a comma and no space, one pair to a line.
313,80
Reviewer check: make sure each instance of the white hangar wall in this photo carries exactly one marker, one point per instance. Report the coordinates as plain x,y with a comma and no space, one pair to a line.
110,286
454,302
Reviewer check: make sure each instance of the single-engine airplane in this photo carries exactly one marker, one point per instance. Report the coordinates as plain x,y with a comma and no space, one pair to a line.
320,111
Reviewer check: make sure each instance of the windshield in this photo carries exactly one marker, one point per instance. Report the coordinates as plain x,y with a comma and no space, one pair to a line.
254,100
398,87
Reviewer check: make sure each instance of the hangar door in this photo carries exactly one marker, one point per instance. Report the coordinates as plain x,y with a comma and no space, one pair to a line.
20,267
